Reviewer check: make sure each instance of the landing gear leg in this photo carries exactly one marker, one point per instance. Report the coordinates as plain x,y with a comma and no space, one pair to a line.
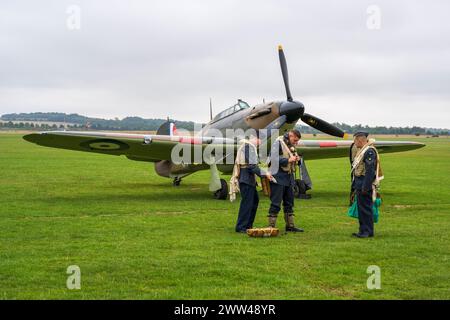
176,181
222,193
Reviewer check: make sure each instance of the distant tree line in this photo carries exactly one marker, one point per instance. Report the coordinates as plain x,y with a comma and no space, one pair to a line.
76,121
27,121
34,126
380,130
45,116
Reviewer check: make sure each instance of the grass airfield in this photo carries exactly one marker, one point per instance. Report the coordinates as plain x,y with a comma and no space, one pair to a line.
134,236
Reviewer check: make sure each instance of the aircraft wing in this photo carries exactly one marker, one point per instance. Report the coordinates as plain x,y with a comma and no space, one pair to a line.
143,147
140,147
325,149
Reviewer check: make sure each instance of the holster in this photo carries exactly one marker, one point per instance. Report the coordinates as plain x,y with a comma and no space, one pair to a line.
265,184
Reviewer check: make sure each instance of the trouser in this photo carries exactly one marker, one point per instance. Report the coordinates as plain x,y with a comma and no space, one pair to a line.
365,212
248,207
278,194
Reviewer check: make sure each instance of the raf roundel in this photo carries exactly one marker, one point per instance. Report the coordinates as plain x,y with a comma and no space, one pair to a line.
104,145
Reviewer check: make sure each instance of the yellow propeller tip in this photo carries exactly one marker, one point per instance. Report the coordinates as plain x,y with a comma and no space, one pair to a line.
280,47
346,136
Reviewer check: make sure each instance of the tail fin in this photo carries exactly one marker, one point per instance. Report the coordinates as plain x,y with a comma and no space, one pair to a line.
168,128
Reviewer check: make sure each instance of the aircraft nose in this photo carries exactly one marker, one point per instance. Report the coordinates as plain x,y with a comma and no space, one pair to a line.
293,110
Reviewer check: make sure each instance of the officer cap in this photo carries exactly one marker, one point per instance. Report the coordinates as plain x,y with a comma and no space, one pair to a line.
361,134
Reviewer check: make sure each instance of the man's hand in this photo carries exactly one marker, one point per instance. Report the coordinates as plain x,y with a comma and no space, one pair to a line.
293,159
269,176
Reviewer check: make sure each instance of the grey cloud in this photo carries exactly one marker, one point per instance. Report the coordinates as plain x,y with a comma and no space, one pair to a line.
158,58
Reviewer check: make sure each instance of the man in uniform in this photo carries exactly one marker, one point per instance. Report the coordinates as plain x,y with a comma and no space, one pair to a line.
283,160
353,152
248,170
364,174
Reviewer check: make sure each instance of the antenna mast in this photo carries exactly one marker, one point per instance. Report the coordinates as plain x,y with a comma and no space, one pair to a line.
210,109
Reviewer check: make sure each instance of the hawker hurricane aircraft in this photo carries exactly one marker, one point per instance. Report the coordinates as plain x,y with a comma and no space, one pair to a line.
158,148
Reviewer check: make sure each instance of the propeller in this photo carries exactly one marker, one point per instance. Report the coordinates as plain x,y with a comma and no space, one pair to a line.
284,72
294,110
322,125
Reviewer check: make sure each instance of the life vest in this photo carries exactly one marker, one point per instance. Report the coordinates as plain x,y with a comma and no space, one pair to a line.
240,157
353,152
360,169
239,164
287,153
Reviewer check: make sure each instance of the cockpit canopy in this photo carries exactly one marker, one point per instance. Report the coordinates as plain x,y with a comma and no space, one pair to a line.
240,105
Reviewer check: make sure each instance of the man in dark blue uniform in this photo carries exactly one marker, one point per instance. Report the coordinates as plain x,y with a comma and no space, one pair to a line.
249,169
364,174
283,162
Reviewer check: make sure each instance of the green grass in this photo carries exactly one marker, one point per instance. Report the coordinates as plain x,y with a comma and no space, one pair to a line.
135,236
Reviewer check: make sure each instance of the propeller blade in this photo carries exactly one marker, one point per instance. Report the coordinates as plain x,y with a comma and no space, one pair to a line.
284,71
322,125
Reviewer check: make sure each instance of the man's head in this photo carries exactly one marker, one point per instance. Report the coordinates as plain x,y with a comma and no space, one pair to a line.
360,139
294,136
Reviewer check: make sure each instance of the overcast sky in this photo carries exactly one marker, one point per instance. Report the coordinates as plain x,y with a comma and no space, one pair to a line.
166,58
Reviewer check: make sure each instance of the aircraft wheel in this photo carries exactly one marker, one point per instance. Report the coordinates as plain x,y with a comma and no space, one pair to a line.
176,181
222,193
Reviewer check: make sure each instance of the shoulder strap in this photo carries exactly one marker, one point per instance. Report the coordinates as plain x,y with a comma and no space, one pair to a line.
284,146
360,155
